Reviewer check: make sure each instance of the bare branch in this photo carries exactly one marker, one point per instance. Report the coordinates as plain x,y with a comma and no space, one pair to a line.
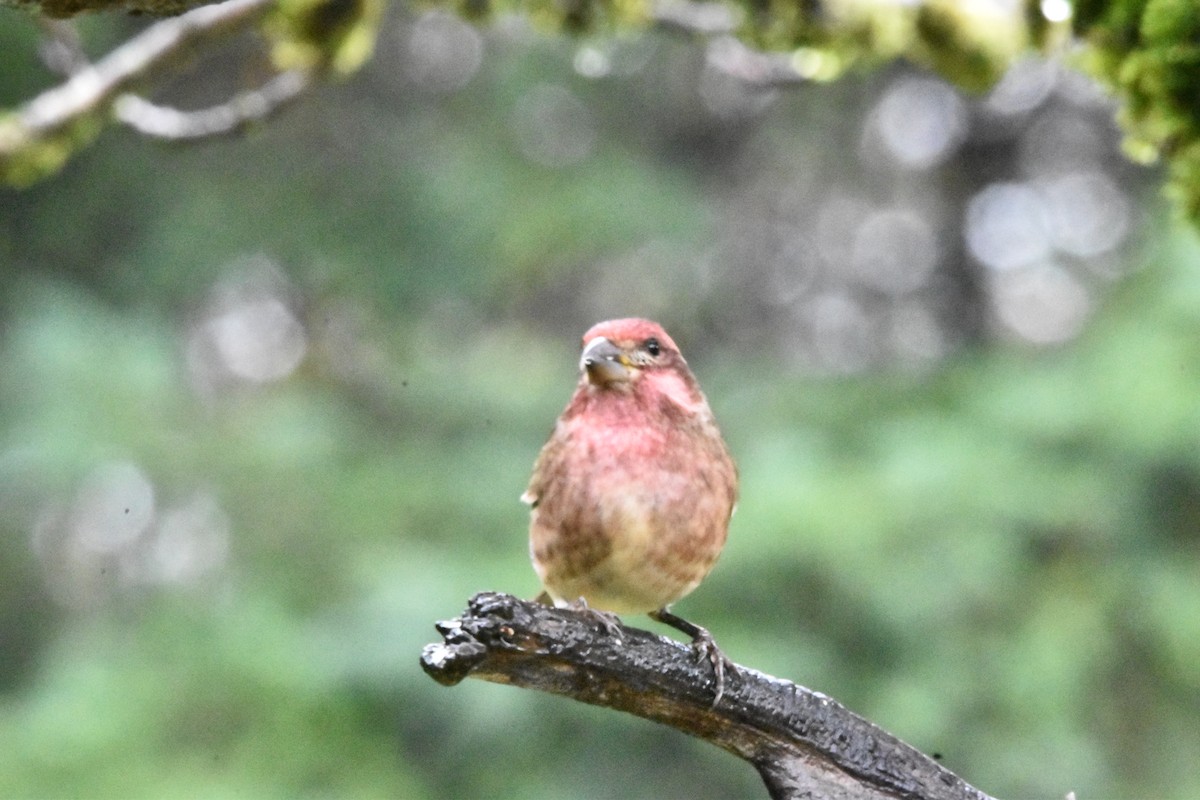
717,23
696,17
63,53
803,743
98,85
39,136
234,115
60,47
754,67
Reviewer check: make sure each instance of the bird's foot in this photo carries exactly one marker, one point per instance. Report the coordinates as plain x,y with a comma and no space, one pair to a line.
705,647
607,619
706,650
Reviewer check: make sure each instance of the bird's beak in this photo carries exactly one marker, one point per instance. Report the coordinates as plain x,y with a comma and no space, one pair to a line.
605,363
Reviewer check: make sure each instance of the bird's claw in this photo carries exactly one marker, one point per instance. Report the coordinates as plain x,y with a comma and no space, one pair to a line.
705,647
607,619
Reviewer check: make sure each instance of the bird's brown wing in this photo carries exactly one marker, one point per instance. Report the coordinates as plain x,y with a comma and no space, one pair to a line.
537,482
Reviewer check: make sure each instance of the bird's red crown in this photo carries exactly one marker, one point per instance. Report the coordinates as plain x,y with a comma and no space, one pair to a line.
630,329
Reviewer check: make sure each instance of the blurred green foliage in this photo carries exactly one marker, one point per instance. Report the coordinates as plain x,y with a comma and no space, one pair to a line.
996,558
986,558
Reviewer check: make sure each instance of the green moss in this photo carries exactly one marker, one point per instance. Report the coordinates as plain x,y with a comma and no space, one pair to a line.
971,49
1166,22
1149,54
315,34
26,157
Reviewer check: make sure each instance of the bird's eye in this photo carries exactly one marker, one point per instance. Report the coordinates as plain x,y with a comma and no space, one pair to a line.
652,346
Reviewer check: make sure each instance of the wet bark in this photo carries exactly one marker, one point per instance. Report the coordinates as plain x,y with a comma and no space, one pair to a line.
803,744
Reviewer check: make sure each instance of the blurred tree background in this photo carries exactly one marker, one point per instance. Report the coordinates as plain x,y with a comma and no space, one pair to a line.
267,404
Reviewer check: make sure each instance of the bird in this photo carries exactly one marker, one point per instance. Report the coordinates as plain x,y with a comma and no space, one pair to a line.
631,496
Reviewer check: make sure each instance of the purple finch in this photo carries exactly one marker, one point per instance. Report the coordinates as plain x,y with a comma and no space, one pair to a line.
631,496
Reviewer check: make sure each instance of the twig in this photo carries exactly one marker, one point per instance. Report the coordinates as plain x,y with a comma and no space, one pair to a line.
97,86
38,137
717,23
754,67
803,743
243,109
62,52
60,47
696,17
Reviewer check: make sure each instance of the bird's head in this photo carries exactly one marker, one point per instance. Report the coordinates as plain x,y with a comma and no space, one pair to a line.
617,352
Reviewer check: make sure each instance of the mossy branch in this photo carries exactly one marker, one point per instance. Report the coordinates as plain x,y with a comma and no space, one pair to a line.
1146,51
